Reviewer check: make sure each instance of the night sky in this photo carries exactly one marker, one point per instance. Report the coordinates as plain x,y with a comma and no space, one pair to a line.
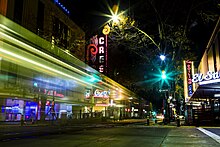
86,14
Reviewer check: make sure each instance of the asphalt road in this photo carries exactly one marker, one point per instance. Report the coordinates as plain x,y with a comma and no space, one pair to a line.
119,136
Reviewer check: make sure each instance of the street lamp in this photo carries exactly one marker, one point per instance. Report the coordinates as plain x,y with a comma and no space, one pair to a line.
115,18
162,57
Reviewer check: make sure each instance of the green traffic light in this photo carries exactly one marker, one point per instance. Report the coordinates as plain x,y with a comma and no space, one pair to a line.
163,76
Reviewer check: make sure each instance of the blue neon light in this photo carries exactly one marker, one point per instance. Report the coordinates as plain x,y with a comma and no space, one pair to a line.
60,5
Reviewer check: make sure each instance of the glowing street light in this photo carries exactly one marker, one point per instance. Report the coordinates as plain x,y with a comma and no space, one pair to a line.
162,57
163,76
119,20
115,18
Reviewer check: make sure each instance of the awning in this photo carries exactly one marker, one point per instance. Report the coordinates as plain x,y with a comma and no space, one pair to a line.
206,91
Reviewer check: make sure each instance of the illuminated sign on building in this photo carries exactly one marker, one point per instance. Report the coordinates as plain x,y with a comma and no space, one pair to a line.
102,105
53,93
97,53
101,94
189,78
106,30
188,84
210,77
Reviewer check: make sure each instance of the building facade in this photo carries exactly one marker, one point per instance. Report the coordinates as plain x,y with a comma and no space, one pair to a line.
204,101
43,76
48,19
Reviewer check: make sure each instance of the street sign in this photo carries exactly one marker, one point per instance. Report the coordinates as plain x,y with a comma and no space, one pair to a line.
163,90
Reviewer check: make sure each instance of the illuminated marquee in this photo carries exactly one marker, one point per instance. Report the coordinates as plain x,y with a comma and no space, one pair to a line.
210,77
97,53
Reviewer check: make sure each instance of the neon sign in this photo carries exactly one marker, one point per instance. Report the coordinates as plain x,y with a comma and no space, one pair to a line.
210,77
101,54
97,53
53,93
102,105
61,6
106,30
189,78
101,94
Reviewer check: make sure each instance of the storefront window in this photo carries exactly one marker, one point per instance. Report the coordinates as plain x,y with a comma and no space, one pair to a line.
30,110
13,109
52,114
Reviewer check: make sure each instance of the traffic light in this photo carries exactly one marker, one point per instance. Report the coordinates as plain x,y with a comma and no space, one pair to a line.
163,74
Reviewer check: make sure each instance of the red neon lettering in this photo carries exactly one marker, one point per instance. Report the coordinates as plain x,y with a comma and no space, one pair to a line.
189,81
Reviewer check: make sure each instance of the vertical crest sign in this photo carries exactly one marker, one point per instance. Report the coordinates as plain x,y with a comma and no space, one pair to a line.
188,84
97,53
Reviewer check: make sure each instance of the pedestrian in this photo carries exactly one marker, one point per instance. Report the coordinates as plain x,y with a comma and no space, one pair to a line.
32,120
32,117
22,120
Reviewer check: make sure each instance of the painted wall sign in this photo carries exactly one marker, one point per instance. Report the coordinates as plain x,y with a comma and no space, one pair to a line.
210,77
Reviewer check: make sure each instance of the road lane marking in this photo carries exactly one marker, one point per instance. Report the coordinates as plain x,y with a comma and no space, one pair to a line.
210,134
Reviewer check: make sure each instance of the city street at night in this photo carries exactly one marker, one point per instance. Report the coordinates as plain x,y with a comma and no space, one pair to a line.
109,73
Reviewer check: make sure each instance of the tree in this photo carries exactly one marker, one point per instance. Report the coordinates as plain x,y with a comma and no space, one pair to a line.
152,27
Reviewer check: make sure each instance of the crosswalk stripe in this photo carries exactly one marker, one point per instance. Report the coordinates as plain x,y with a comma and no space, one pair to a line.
210,134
